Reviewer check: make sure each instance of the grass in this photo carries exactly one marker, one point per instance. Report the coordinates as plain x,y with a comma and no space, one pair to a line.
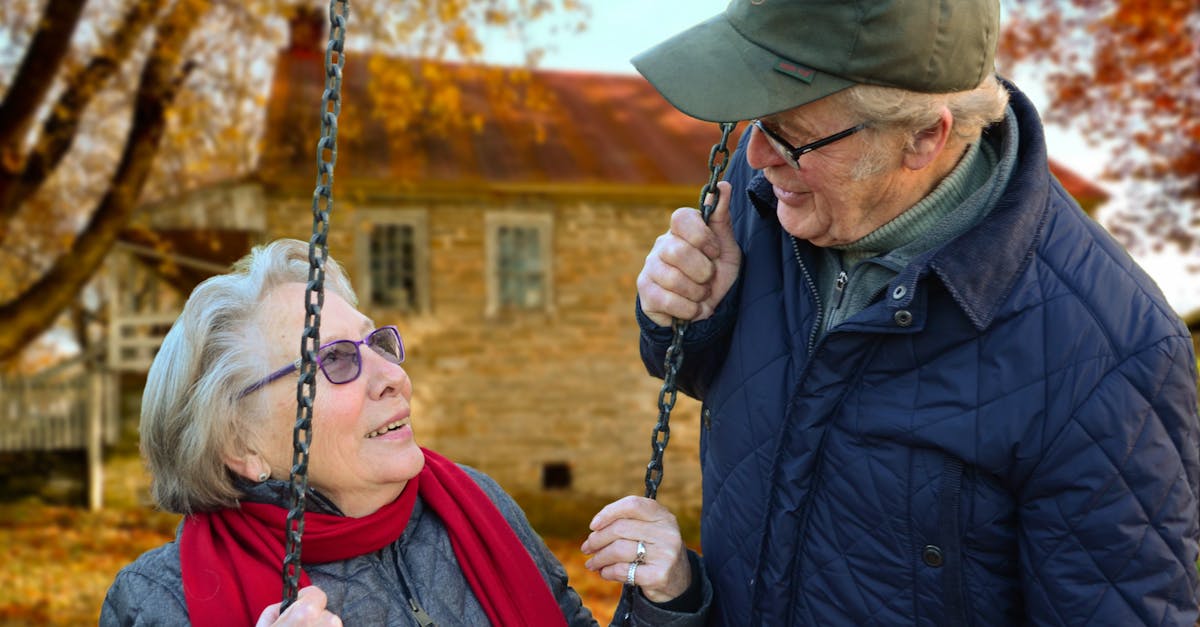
59,560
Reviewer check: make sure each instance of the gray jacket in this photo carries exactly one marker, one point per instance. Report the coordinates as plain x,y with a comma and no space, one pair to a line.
369,590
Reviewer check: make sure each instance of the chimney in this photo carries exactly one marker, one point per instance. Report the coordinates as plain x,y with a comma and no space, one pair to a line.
306,31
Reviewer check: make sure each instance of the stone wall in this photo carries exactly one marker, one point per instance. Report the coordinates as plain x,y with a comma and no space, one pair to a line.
516,392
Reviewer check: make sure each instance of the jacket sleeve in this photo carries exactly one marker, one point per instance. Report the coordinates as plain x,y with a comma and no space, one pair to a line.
140,596
704,346
1109,526
706,341
635,610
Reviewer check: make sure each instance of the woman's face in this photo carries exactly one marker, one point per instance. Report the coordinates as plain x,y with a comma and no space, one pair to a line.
363,451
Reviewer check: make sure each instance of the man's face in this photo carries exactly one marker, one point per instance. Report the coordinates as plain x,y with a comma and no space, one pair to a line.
823,202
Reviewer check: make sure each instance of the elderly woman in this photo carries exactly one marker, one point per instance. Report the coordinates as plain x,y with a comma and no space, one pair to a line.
394,534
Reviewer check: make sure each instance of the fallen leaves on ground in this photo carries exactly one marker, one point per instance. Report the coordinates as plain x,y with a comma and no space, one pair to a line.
59,561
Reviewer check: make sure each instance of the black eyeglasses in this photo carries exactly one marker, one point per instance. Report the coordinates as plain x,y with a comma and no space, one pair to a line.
791,154
341,361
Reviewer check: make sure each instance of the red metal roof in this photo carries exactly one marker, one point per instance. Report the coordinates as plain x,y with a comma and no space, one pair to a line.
598,130
1085,191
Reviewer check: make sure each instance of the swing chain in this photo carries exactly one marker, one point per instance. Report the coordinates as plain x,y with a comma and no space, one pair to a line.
718,159
314,295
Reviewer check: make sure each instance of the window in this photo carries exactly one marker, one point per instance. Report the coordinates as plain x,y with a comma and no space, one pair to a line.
556,476
393,260
520,272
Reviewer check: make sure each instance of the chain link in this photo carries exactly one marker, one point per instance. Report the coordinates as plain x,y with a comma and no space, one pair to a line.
718,159
314,295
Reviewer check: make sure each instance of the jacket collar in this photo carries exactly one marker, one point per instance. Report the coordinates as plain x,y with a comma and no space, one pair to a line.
979,268
278,492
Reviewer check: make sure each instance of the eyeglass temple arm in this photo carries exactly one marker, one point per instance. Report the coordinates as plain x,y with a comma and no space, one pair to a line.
282,372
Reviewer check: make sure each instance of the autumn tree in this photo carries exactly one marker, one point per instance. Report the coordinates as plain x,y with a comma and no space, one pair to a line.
110,102
1126,73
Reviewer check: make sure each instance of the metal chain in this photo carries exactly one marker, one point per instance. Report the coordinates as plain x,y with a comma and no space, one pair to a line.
314,295
718,159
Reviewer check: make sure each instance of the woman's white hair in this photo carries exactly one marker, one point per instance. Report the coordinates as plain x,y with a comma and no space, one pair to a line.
910,112
192,413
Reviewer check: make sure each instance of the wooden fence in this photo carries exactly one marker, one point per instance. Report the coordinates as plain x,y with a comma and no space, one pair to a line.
60,411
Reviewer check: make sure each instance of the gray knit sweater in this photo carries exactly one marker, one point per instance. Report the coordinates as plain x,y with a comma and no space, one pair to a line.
368,590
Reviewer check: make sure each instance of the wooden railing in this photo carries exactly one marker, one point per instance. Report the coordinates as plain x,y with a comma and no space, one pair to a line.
60,411
43,415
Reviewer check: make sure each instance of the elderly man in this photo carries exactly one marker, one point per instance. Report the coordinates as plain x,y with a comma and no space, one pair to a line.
934,391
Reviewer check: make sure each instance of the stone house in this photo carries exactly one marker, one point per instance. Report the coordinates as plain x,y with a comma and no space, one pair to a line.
507,261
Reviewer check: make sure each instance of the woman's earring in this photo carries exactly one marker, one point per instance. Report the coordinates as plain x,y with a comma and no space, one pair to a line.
263,476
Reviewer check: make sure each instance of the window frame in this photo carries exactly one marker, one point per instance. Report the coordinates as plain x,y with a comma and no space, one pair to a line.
418,220
543,224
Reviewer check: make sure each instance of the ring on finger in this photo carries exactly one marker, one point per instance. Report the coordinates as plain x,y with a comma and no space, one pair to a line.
641,553
629,577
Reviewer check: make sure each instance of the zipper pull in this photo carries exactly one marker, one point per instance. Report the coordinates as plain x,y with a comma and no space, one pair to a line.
840,287
423,618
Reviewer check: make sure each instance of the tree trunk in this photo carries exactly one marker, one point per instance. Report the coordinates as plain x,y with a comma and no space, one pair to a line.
22,174
34,78
34,311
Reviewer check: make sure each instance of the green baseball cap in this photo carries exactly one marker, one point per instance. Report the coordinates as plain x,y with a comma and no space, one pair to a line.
765,56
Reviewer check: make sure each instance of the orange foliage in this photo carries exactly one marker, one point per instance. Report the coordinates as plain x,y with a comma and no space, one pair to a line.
59,561
85,140
1124,72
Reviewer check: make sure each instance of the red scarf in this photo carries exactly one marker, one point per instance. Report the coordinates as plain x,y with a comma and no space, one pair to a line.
232,559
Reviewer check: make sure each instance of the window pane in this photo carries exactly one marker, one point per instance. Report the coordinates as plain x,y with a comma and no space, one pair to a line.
393,266
519,267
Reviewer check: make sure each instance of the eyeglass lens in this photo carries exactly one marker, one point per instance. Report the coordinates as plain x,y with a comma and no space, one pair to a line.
341,361
783,151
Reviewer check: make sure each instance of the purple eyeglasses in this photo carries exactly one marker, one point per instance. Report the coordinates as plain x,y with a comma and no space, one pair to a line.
341,360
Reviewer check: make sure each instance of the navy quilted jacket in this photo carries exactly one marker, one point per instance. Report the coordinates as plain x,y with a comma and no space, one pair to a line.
1007,435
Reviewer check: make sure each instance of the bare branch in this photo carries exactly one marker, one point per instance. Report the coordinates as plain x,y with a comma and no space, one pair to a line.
33,311
60,128
35,75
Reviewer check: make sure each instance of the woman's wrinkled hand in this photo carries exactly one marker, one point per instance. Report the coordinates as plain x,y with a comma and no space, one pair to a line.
308,611
664,572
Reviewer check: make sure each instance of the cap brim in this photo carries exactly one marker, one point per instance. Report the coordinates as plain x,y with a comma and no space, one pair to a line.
712,73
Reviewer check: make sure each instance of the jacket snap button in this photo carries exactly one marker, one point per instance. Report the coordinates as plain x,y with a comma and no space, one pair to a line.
899,292
932,556
706,418
903,318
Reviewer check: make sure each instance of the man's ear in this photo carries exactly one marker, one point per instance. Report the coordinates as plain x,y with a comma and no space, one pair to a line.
929,143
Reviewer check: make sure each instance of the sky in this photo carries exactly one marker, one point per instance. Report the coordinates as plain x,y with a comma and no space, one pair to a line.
620,29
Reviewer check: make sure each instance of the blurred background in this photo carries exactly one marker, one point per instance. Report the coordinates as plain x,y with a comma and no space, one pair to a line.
501,173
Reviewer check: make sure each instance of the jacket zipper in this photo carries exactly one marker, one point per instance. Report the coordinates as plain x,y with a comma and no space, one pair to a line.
423,617
812,288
